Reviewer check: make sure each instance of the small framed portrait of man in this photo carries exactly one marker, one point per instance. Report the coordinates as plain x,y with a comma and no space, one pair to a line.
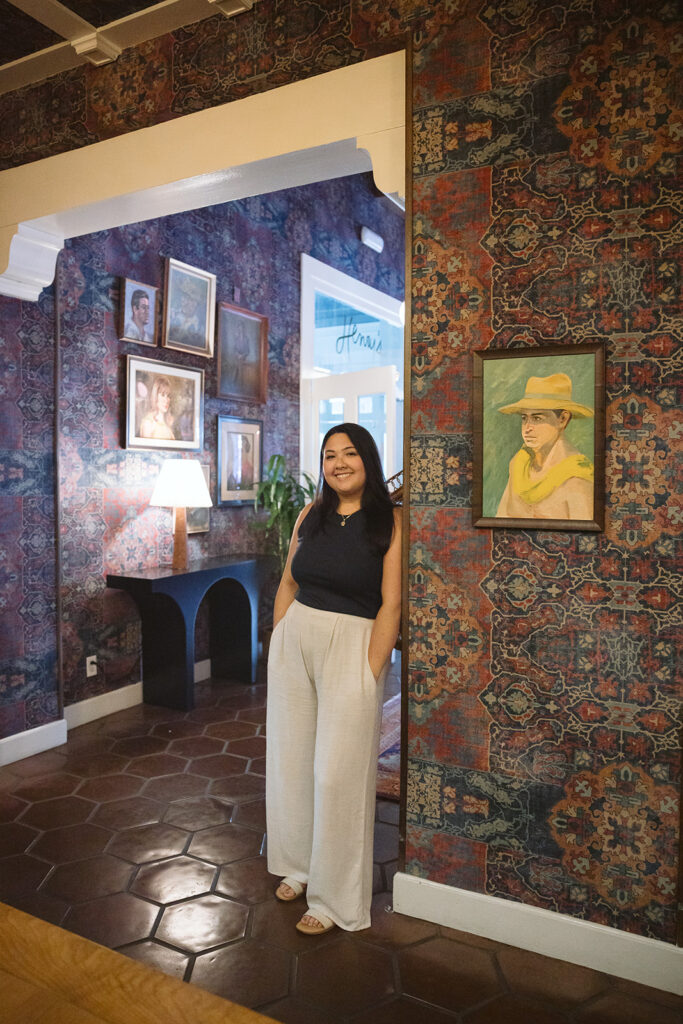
239,460
138,312
539,438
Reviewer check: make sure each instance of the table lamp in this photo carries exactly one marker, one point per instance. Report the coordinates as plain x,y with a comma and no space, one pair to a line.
181,485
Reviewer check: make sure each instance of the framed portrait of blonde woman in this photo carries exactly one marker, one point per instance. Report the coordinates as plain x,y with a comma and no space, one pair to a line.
164,405
539,438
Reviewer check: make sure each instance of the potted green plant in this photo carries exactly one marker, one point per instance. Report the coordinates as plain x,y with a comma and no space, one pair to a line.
283,497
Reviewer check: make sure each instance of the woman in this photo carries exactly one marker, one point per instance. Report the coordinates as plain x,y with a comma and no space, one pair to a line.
336,619
158,422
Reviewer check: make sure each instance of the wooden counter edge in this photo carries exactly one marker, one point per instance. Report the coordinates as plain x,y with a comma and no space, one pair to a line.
112,987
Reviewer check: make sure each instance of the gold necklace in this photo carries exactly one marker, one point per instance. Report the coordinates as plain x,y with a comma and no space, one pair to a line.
347,516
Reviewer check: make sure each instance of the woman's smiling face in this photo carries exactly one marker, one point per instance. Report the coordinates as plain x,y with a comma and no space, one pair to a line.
343,467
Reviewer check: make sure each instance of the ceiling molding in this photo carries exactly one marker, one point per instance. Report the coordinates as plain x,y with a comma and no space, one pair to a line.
110,39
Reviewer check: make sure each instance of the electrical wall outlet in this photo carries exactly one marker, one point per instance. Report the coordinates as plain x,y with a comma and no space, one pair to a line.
91,665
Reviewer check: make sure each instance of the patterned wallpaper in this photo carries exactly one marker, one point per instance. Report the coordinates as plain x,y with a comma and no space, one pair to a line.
253,246
544,763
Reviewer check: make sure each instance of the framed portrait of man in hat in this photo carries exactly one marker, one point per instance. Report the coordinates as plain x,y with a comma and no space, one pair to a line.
539,438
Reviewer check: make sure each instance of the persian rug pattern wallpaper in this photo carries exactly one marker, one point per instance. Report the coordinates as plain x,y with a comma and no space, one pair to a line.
544,764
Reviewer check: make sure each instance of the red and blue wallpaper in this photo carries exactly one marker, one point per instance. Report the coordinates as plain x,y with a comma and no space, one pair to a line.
544,759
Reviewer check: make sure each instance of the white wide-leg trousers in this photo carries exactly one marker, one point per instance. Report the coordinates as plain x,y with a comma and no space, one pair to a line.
322,738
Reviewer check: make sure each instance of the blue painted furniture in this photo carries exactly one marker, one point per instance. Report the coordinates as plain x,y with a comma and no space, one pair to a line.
168,600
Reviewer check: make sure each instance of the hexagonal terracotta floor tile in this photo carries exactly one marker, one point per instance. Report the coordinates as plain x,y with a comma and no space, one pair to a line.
196,746
151,842
407,1011
46,787
64,810
90,765
10,808
253,746
542,977
77,842
393,930
226,843
345,977
113,920
203,923
16,838
175,787
89,879
513,1010
110,787
248,973
257,715
139,746
199,812
178,878
214,767
252,813
168,961
451,975
157,764
21,874
128,813
236,788
177,730
246,880
231,730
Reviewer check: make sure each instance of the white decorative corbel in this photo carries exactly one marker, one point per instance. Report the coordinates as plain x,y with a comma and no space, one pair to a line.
232,7
32,259
96,48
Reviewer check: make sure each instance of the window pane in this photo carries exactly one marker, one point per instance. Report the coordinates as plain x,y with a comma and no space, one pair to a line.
372,414
330,412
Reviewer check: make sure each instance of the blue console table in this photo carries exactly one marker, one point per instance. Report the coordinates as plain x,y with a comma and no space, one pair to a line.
168,600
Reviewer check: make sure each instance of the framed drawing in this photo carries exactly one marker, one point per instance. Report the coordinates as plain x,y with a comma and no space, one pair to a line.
137,312
539,437
239,460
164,405
190,300
198,518
242,354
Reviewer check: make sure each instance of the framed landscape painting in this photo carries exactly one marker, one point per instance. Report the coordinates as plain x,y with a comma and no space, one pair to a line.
539,459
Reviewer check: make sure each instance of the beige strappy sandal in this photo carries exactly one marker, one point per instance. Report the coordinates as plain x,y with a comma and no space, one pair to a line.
297,889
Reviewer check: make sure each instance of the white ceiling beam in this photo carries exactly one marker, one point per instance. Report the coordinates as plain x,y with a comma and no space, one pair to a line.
55,16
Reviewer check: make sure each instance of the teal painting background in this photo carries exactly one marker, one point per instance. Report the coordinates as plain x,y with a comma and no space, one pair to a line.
504,381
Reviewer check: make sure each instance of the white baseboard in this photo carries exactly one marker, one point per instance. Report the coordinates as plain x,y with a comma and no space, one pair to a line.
622,954
32,741
202,670
89,710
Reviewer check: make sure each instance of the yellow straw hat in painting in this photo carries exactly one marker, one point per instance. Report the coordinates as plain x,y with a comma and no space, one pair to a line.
553,392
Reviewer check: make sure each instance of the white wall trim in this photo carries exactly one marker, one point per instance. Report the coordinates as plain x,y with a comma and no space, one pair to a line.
32,741
622,954
202,670
92,708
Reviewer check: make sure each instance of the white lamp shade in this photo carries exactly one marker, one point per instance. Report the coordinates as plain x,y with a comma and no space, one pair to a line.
181,483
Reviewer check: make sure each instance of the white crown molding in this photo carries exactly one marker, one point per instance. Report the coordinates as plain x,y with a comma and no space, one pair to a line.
355,116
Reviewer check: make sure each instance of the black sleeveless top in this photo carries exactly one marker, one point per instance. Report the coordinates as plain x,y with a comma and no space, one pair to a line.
337,569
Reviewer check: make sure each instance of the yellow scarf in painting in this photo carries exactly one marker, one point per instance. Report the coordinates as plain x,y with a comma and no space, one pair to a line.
531,492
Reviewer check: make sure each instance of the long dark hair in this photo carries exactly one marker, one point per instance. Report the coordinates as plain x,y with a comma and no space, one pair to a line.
375,501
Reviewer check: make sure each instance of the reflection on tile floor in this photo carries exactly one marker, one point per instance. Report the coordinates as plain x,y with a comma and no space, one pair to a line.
145,832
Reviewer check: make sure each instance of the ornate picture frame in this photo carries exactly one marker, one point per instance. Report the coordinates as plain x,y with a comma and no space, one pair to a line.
242,339
138,319
164,405
189,308
240,457
539,438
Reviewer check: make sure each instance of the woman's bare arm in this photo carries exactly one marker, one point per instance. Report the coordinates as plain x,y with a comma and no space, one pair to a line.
388,621
286,592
